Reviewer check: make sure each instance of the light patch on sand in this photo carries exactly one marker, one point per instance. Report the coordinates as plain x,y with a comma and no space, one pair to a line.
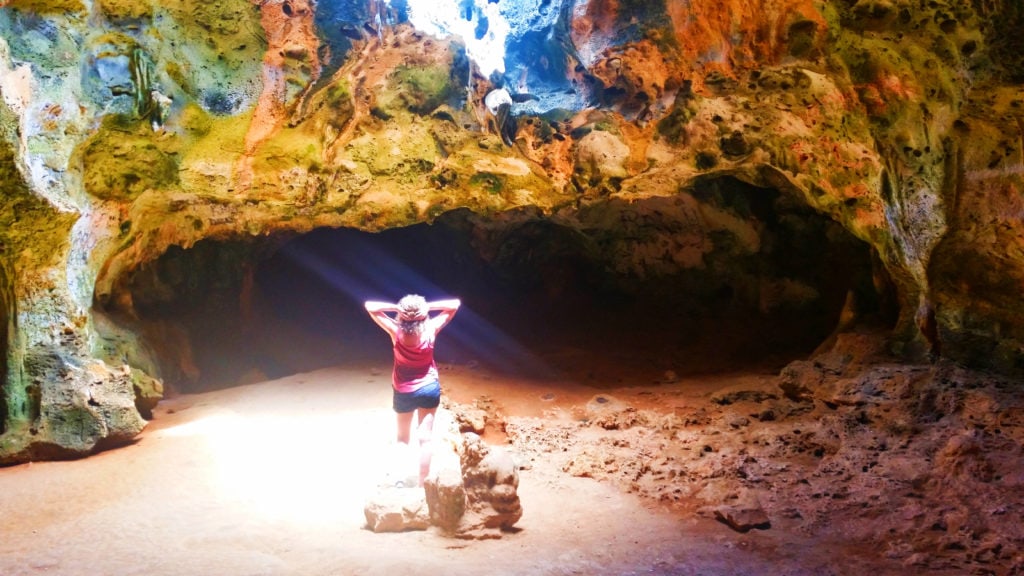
297,468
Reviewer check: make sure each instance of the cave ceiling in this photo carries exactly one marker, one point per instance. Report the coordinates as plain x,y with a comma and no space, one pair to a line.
668,140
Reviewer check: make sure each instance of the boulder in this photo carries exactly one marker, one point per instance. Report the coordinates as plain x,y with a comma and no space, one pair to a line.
396,510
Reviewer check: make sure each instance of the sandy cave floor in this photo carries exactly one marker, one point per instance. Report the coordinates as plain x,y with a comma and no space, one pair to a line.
271,478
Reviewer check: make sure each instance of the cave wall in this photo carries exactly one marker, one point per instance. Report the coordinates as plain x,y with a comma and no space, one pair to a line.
58,399
129,128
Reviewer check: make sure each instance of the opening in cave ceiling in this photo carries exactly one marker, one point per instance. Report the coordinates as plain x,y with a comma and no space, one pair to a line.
522,46
481,25
769,285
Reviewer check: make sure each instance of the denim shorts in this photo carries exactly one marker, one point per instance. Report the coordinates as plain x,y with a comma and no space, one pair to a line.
427,396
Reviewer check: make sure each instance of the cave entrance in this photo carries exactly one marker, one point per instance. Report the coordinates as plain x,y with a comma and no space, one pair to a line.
540,297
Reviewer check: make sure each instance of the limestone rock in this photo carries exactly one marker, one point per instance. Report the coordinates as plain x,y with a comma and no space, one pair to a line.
471,419
397,510
83,410
602,155
446,498
473,493
491,482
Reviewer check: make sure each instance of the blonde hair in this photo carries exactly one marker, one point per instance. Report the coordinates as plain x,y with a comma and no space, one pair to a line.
412,314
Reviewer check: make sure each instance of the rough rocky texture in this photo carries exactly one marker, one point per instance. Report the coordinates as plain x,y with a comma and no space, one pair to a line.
446,499
670,146
471,493
397,510
918,463
491,481
475,495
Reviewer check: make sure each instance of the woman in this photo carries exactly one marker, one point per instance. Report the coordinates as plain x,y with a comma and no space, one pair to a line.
417,390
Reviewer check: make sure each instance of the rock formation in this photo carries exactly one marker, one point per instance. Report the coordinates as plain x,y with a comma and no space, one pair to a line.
917,465
397,510
828,162
480,498
471,493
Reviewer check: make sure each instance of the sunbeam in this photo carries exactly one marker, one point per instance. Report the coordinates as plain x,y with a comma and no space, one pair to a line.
351,268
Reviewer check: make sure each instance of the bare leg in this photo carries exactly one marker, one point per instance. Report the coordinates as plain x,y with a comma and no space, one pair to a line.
402,455
404,422
425,433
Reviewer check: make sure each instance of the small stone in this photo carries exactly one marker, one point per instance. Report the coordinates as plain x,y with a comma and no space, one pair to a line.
743,517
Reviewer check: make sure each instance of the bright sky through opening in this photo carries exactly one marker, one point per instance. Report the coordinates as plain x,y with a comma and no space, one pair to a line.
450,19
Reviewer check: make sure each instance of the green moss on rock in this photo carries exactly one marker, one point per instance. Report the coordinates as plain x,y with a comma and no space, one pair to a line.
223,18
196,121
403,151
491,183
338,101
673,126
123,159
416,89
217,55
290,148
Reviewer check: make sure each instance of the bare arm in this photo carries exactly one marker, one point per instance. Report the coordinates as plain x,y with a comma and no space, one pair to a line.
379,313
446,311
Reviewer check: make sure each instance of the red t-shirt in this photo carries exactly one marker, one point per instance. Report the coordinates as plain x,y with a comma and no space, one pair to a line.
414,366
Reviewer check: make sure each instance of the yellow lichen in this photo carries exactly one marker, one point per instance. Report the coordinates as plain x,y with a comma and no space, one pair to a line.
124,10
48,6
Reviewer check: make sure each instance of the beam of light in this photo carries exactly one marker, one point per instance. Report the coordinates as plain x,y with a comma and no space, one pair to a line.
373,274
295,466
376,274
479,23
309,459
494,348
